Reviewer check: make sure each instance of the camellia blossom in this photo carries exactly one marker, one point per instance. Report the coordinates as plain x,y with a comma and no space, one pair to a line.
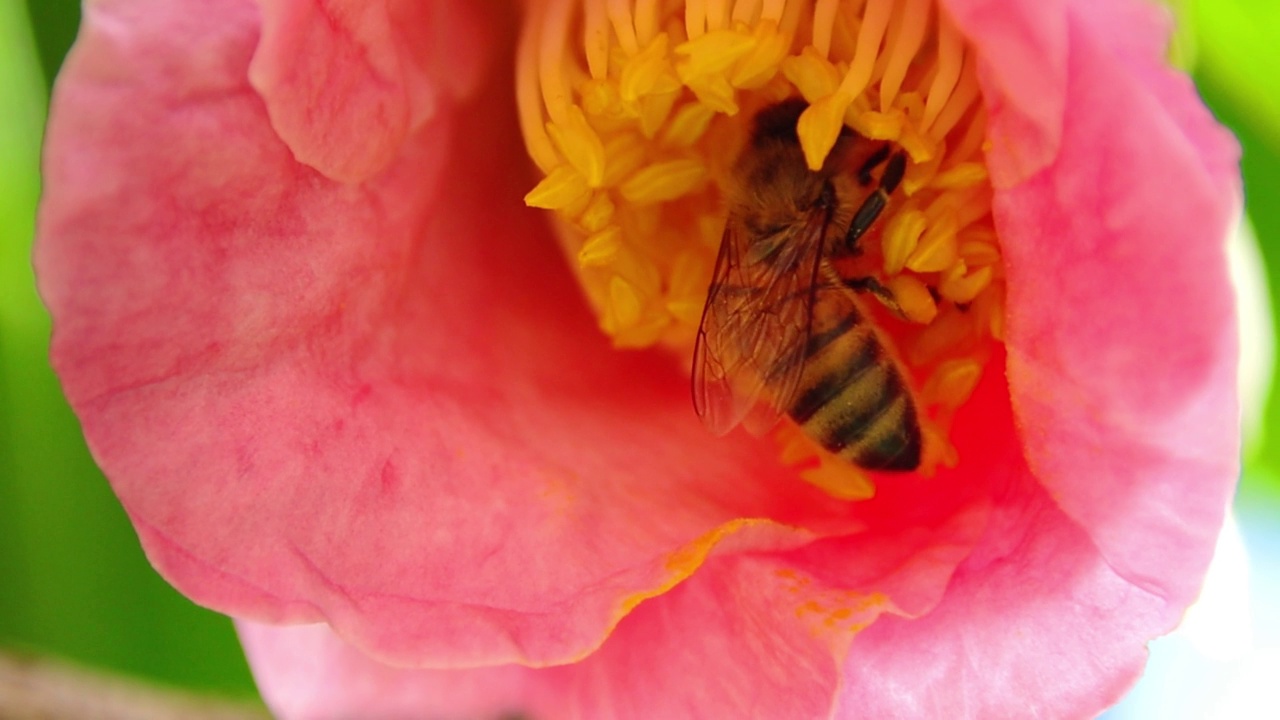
348,389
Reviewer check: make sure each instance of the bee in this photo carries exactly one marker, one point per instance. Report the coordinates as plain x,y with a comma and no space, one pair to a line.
782,331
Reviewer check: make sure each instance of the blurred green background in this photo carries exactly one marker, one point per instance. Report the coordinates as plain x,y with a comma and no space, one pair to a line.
73,581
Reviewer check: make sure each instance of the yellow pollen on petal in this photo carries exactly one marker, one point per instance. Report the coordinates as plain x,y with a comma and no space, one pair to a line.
636,111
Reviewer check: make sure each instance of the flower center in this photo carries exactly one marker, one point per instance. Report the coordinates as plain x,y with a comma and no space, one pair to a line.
638,114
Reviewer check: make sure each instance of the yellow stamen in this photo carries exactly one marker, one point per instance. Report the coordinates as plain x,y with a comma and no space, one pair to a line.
914,299
635,111
901,237
664,181
563,188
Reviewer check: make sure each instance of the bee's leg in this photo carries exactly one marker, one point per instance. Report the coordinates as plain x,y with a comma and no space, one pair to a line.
871,285
871,208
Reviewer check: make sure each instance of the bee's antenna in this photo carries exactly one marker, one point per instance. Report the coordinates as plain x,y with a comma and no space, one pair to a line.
875,202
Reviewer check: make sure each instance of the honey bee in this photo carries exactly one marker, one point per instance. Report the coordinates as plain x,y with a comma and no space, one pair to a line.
782,331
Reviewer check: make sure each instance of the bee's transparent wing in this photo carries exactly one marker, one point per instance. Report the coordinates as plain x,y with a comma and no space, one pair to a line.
750,349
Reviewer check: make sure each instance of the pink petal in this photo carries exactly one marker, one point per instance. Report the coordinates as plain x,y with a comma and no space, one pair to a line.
346,82
752,634
1021,51
1044,629
305,671
1128,407
379,405
382,405
678,656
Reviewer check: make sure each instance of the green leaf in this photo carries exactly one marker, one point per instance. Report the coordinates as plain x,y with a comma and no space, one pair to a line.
1235,43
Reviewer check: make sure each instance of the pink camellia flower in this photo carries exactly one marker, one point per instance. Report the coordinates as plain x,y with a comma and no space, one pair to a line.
345,384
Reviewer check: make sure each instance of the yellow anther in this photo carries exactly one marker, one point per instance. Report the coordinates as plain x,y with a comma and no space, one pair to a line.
712,54
960,286
939,450
920,148
819,127
979,252
878,125
687,125
950,332
913,298
664,181
840,480
953,382
761,64
598,213
579,144
921,174
812,74
626,153
624,302
937,248
989,307
963,175
564,187
654,110
715,92
600,248
901,236
600,99
687,310
648,72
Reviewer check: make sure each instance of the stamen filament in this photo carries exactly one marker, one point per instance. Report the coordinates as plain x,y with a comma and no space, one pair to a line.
717,15
646,20
950,62
596,40
773,10
874,23
551,62
623,26
964,95
745,12
824,21
909,38
527,98
695,18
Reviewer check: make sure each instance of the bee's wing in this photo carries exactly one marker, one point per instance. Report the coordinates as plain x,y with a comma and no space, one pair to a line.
750,349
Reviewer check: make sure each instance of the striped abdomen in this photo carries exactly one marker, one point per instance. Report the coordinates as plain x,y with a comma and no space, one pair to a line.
852,399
